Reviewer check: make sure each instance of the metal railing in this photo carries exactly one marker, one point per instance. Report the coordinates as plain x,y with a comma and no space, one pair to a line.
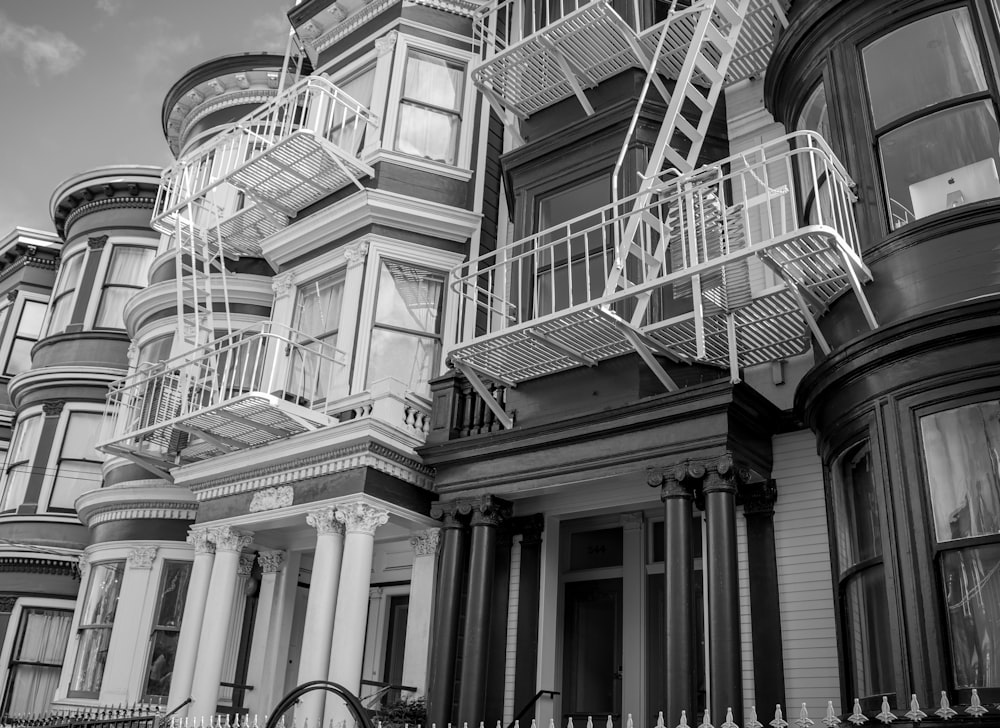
705,220
313,105
265,357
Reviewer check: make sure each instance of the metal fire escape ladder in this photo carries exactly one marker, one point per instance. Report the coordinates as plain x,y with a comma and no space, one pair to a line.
199,256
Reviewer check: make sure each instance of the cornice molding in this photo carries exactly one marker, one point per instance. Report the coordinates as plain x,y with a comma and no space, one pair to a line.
233,97
39,380
34,565
108,203
136,502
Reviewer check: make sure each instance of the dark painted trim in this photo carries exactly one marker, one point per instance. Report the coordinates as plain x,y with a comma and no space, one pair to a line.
140,530
497,651
444,630
43,451
528,599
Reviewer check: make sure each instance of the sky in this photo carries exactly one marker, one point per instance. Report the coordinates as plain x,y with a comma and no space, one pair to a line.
82,83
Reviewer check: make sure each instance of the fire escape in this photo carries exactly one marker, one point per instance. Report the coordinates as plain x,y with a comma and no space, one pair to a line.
231,390
666,271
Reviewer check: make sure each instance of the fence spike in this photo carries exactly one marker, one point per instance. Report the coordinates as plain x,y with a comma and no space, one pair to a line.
533,723
803,721
915,713
751,721
857,716
729,723
590,722
684,720
976,708
610,723
945,712
659,720
629,723
779,720
830,720
706,720
885,715
498,725
552,723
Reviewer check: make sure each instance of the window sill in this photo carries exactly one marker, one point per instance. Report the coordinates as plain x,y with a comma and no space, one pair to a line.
424,165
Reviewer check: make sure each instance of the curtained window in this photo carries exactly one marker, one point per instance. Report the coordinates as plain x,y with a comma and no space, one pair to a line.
19,457
166,629
26,333
962,456
79,466
317,317
96,622
61,307
348,130
127,273
430,110
36,660
935,121
406,337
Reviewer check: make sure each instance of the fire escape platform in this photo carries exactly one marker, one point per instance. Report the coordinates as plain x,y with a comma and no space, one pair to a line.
297,171
245,421
594,43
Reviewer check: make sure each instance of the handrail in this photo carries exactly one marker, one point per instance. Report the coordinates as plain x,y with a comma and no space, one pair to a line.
355,706
530,703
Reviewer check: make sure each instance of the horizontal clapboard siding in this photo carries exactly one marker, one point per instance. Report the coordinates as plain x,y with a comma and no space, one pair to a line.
805,588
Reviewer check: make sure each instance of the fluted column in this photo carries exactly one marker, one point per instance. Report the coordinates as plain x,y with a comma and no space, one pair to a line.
215,626
262,662
418,620
186,656
486,516
314,664
725,673
447,605
360,522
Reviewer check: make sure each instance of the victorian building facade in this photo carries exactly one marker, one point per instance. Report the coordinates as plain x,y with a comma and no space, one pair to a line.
534,360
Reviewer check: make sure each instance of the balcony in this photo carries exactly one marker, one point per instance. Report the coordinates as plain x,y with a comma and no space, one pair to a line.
261,384
291,152
677,272
539,53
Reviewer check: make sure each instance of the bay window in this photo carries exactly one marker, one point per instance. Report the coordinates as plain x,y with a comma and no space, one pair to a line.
61,307
36,660
933,115
317,316
19,459
166,629
406,336
430,107
126,274
960,448
78,468
27,327
96,622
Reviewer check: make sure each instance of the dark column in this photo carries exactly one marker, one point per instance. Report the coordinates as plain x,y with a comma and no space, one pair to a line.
87,283
676,492
444,630
486,516
768,663
498,624
52,410
725,675
528,597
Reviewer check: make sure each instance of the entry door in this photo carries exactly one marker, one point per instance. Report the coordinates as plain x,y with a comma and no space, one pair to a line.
592,652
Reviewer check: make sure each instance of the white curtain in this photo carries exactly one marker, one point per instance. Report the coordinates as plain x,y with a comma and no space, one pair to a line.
44,633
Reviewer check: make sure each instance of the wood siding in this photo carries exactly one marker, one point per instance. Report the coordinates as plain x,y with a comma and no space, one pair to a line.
808,628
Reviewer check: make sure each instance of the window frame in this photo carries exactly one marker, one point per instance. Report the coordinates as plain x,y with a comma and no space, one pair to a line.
10,639
55,458
61,290
94,309
33,413
156,628
15,313
80,628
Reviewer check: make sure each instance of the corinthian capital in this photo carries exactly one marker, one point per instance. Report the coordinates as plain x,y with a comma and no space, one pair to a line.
324,520
425,543
362,518
200,539
271,561
227,538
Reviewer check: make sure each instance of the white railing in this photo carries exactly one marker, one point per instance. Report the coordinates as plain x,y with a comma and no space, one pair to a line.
314,105
713,216
264,358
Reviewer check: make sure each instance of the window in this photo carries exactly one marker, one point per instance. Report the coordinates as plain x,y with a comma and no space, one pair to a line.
348,132
866,634
36,660
430,110
935,122
166,629
62,298
154,351
25,334
126,274
79,466
406,337
960,448
96,622
317,316
19,461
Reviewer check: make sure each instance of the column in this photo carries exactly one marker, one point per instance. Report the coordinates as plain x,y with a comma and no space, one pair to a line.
360,521
263,663
418,620
633,671
322,605
486,516
725,675
194,612
528,598
215,626
676,492
768,658
447,605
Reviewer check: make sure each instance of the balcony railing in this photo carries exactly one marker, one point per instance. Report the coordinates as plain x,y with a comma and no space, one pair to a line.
673,265
292,151
255,386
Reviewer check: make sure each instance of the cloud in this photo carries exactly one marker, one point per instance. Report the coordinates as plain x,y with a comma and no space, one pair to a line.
111,7
43,52
160,52
269,31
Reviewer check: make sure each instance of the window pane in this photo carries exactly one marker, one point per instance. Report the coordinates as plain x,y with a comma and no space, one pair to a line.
858,534
596,549
20,356
405,357
945,160
926,62
961,449
161,665
60,313
173,591
73,479
111,312
815,115
428,133
102,594
43,635
129,266
409,297
972,590
155,350
434,81
318,306
166,627
32,688
867,637
91,657
30,324
69,274
99,609
19,471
